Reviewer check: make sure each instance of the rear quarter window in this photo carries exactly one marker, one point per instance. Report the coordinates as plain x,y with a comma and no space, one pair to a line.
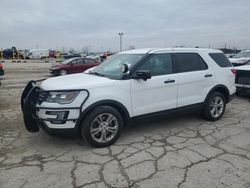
89,61
220,59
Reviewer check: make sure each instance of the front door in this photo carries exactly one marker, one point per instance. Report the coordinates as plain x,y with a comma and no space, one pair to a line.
76,65
158,93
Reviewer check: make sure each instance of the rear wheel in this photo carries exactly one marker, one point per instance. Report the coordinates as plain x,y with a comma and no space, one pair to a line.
214,107
102,126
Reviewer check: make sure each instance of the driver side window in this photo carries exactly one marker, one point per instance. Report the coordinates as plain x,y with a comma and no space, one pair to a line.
159,64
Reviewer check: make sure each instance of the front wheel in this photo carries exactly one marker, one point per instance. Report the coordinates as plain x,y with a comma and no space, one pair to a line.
214,107
102,126
63,72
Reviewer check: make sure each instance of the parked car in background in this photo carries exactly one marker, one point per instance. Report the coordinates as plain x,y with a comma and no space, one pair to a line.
243,79
73,65
67,55
8,54
23,52
70,55
1,71
37,54
94,57
12,53
52,54
105,55
242,58
229,55
129,85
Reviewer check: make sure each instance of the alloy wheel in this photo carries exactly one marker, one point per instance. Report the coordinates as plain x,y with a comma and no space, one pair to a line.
217,106
104,127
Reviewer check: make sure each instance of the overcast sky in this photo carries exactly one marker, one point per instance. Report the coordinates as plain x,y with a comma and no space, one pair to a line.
145,23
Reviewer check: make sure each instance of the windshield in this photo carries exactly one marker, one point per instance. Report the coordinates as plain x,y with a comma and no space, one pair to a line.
242,54
111,66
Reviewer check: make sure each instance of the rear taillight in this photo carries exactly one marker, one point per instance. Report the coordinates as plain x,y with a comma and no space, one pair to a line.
234,71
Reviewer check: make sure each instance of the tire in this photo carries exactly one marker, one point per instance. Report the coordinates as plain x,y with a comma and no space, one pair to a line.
214,107
96,122
63,72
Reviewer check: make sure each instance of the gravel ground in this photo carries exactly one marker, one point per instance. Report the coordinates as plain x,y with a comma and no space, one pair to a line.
176,152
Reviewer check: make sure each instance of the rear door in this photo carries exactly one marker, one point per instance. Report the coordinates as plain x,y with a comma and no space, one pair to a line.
195,78
158,93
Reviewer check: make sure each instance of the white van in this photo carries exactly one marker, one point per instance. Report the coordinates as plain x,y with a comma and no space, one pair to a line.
37,54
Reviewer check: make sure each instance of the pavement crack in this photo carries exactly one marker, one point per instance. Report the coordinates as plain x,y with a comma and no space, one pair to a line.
72,174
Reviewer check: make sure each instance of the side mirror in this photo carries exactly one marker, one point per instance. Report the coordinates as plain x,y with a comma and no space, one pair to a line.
124,68
142,74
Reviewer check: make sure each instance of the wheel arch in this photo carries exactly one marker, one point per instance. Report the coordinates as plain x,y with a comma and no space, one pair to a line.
219,88
115,104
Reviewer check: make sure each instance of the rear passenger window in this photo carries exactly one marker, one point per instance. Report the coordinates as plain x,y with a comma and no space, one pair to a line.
79,61
186,62
220,59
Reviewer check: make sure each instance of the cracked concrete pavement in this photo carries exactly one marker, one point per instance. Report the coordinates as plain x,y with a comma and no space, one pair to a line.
184,151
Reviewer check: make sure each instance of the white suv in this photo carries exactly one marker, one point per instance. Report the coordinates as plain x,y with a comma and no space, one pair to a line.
131,84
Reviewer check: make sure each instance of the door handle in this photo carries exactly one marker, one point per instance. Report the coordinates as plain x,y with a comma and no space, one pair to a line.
208,75
169,81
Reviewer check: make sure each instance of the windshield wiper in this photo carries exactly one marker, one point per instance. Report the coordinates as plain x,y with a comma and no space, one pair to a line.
96,73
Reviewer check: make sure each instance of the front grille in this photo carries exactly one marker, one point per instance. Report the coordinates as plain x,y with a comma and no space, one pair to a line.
42,96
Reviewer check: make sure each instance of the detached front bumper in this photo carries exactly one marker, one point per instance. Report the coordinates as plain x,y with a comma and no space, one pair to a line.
53,119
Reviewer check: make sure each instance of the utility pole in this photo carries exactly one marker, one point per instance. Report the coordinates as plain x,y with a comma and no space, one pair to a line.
120,34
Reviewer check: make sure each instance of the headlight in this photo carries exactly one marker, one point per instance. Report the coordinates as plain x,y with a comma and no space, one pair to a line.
55,67
62,97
